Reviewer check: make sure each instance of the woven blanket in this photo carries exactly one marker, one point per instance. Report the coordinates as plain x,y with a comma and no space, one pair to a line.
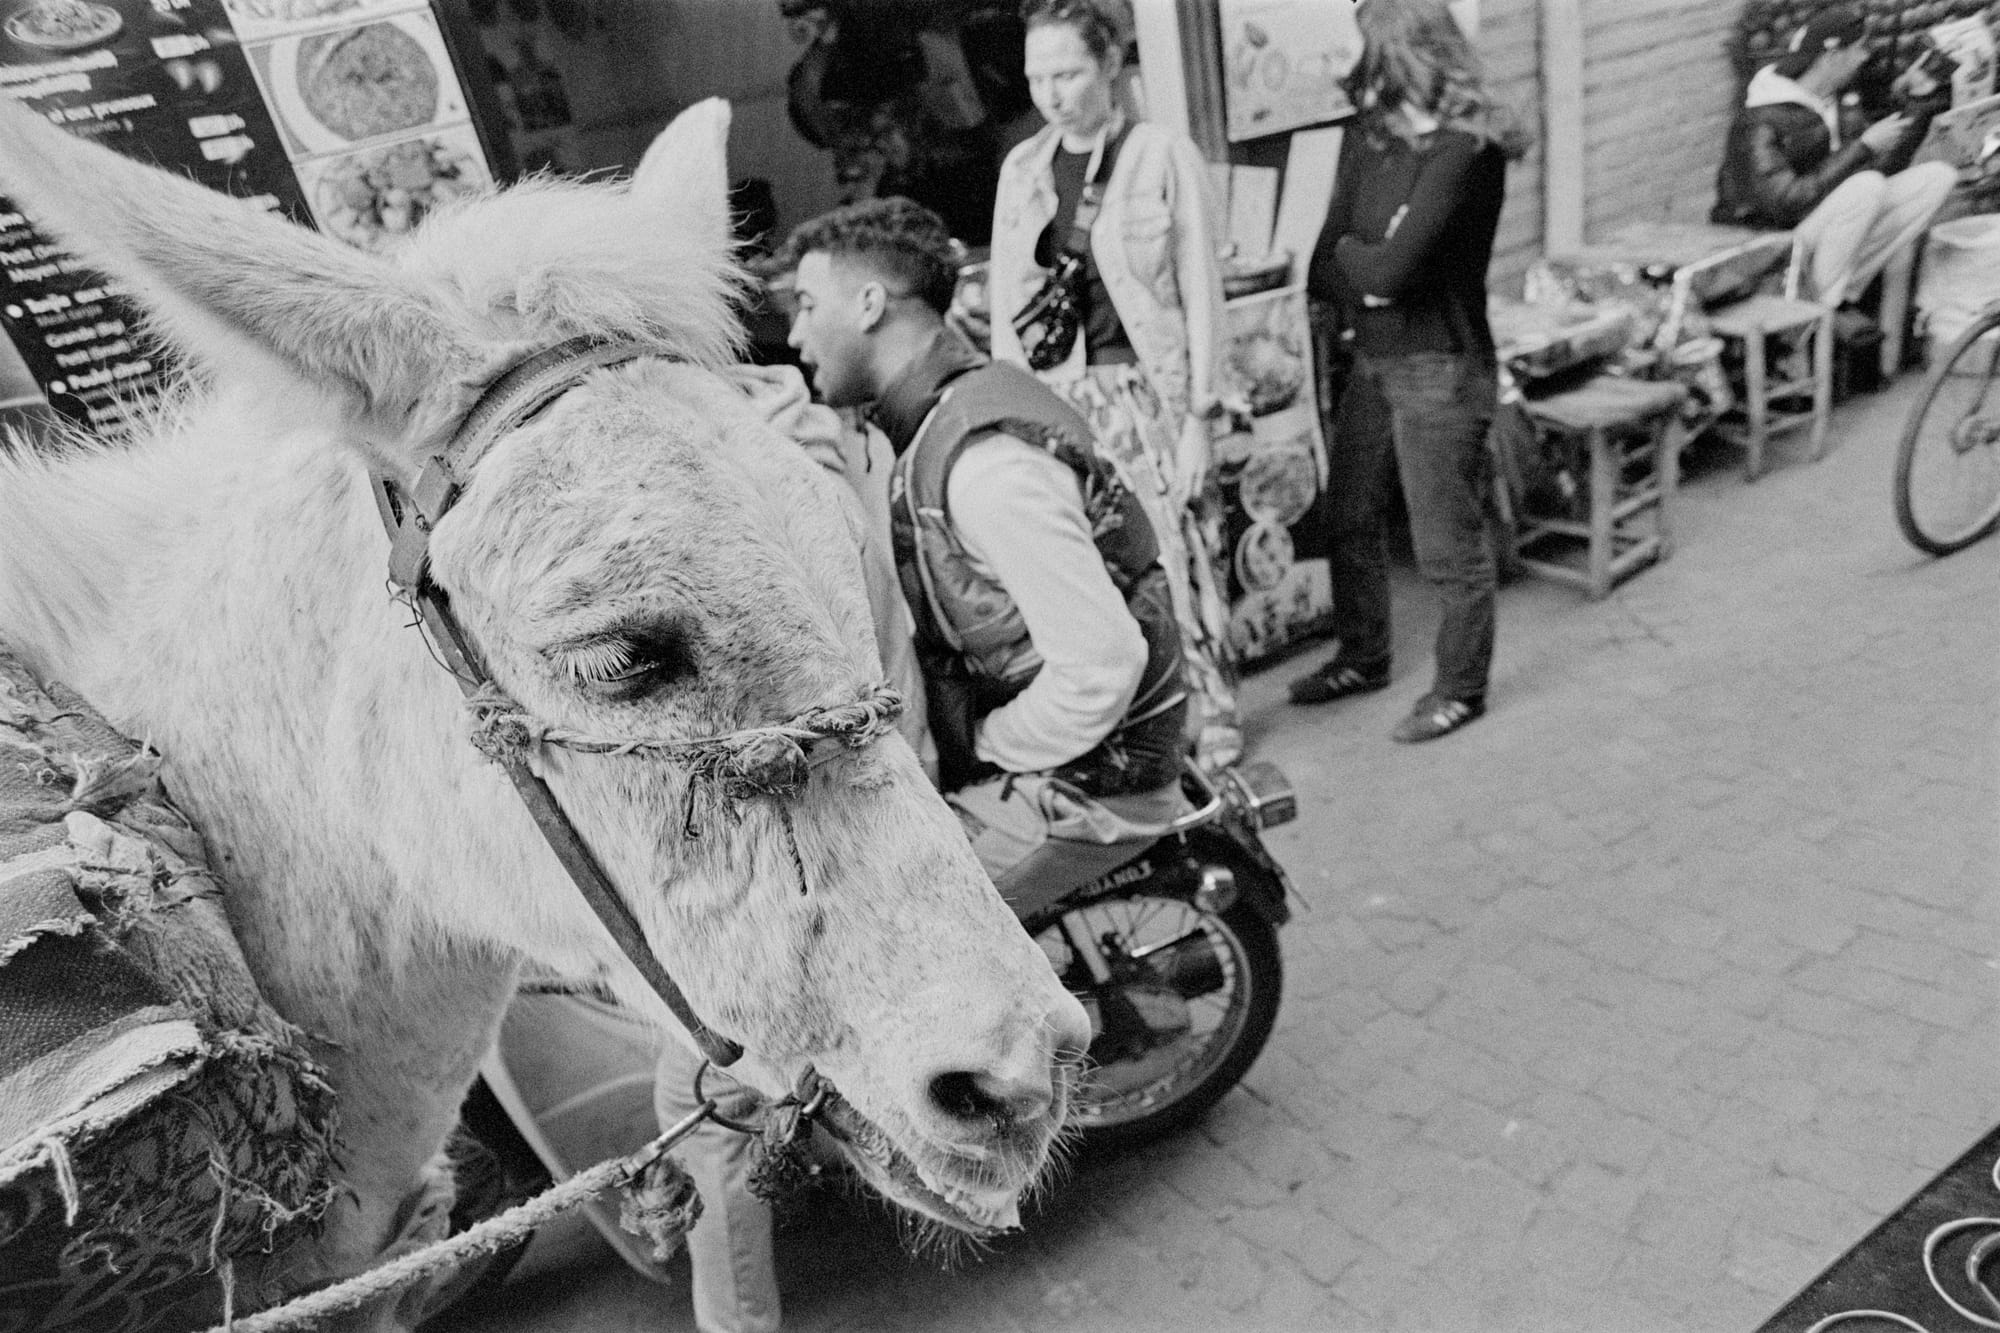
158,1120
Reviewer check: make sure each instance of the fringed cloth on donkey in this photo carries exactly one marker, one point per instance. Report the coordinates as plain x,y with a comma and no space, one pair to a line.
159,1122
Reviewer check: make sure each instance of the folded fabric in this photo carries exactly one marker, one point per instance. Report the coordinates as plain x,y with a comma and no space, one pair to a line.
156,1116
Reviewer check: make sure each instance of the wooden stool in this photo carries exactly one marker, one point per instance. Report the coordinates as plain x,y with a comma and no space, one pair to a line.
1632,430
1754,325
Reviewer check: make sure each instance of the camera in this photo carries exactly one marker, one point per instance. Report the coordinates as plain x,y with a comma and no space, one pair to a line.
1049,323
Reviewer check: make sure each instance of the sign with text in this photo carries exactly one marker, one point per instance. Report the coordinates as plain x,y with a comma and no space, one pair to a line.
345,114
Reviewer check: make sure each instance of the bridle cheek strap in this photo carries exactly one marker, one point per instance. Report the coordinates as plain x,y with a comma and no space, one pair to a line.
410,516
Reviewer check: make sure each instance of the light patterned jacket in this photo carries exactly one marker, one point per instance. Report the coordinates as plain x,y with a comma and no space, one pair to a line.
1154,242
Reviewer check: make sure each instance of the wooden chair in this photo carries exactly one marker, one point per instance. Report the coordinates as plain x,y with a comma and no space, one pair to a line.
1632,432
1784,344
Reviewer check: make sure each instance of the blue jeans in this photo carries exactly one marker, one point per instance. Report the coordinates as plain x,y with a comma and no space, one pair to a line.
1429,411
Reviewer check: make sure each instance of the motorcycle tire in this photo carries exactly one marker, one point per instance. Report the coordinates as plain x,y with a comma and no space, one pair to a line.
1219,974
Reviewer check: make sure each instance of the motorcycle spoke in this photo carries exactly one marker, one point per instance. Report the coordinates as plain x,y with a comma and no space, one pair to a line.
1144,952
1083,946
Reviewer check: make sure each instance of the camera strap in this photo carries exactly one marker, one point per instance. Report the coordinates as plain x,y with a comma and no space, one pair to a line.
1102,159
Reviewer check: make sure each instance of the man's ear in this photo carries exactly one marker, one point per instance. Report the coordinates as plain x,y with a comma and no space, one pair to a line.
872,300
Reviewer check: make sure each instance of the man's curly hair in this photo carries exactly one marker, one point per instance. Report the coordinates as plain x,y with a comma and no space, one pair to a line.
904,242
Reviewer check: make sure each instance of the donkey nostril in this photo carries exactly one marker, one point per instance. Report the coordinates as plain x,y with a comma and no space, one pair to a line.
965,1095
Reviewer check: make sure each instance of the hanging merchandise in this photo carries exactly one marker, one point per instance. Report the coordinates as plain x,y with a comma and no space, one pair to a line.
921,98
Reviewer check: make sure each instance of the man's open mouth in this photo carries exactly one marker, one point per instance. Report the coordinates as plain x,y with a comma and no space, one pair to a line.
980,1211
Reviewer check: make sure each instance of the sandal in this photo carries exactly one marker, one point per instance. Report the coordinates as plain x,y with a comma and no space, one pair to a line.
1434,717
1337,680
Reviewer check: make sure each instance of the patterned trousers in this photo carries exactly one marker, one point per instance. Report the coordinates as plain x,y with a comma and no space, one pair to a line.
1143,440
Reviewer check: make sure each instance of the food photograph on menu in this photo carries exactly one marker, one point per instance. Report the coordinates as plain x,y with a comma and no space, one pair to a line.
255,20
62,25
333,89
369,198
376,123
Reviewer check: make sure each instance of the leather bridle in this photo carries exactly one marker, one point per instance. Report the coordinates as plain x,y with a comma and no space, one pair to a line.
410,516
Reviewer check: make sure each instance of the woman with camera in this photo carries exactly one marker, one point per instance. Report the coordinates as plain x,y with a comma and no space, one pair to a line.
1104,281
1403,256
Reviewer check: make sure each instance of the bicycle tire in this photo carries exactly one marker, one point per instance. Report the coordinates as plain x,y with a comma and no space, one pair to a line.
1947,487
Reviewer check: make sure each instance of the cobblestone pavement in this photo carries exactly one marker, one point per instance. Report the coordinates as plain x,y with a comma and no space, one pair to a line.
1628,1008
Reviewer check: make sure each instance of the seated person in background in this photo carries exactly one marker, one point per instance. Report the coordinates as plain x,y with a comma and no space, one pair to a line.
1048,645
1793,160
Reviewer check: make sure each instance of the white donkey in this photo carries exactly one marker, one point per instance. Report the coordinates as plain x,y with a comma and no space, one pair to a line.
644,560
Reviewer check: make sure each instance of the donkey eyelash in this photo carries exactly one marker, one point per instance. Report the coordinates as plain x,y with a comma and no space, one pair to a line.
598,662
627,662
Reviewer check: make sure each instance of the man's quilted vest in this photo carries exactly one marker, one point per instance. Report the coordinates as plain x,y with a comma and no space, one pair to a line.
975,647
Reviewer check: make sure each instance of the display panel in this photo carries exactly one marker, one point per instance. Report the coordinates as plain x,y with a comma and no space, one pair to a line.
1273,477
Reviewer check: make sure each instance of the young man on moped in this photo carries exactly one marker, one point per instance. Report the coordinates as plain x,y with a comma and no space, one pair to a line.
1049,648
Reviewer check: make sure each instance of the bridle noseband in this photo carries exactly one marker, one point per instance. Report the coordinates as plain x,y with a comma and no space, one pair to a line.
762,761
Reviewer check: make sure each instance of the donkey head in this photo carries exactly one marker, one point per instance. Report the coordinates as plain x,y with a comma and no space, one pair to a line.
645,560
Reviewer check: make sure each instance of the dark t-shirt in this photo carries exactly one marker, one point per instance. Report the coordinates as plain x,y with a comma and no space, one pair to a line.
1103,331
1412,223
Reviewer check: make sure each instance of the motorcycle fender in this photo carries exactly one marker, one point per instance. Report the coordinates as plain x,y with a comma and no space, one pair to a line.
1260,880
1174,870
1165,870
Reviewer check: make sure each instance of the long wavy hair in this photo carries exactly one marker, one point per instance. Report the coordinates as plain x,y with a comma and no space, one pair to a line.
1414,52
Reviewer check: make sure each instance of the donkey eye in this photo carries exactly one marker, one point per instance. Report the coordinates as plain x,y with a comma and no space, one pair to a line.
624,666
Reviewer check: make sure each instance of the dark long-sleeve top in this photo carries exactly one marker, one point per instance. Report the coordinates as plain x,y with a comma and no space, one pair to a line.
1412,225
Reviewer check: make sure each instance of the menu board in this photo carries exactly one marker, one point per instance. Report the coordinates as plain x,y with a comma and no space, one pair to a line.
342,114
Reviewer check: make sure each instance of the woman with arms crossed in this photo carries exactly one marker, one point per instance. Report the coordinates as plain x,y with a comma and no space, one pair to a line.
1403,256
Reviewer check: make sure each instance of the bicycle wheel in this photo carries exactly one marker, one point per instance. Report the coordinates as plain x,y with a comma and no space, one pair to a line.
1948,466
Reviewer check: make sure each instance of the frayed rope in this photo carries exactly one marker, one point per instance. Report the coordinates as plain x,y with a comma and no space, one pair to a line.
756,761
663,1207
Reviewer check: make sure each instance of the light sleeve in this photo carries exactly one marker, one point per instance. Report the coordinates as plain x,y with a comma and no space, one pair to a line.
1019,514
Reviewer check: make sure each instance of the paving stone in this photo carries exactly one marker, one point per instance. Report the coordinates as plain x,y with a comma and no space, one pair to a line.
1578,1250
1774,1265
1805,1211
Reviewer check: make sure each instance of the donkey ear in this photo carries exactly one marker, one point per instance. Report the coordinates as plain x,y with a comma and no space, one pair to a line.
685,171
214,270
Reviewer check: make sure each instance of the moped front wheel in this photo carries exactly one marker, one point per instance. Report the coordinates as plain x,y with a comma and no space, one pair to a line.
1181,1002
